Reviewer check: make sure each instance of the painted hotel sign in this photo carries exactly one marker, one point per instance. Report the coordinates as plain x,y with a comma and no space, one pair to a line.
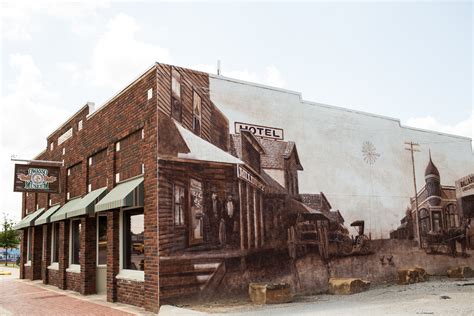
33,178
260,131
247,176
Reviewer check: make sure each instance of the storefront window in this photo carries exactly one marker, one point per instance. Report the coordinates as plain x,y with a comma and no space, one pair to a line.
450,216
133,240
75,241
196,214
178,204
424,221
102,240
55,243
436,221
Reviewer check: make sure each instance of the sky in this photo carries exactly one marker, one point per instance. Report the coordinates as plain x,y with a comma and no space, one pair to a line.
407,60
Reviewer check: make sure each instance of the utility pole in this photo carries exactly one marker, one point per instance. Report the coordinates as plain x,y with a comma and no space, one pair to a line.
412,148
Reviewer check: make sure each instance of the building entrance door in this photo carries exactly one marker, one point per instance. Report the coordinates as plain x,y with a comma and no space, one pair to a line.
101,271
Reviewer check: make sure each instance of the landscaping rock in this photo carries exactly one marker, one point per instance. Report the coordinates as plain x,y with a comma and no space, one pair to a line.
270,293
344,286
461,272
413,275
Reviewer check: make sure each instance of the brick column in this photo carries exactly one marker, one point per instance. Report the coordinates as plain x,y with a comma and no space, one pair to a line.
37,244
46,252
23,251
88,255
113,250
63,253
150,186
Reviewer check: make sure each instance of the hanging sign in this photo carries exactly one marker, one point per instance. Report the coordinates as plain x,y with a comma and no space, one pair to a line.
36,178
243,174
260,131
465,186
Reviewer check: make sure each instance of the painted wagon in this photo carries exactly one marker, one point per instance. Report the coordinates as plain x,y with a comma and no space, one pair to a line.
308,233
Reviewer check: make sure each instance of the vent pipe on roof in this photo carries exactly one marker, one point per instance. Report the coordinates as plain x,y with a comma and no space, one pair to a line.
218,67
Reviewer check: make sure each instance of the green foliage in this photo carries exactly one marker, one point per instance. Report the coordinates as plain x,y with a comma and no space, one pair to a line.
8,236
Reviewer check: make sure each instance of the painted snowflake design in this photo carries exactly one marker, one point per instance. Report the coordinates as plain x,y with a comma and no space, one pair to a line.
369,152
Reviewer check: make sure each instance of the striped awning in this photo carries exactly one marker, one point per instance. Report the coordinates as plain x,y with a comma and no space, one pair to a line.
87,203
61,214
128,193
45,217
28,220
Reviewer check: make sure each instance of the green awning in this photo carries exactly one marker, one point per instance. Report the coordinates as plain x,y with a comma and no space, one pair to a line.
61,214
28,220
87,203
45,217
129,193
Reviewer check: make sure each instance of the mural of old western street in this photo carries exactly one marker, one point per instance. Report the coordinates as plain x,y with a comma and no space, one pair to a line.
192,191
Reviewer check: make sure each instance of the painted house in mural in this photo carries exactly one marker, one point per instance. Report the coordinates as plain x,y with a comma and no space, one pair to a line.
158,200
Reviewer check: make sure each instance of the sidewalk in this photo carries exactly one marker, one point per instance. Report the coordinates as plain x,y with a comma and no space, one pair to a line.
24,297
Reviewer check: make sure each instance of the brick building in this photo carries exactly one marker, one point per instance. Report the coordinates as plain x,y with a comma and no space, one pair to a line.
156,195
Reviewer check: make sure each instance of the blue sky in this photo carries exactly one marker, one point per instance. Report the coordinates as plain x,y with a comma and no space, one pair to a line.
409,60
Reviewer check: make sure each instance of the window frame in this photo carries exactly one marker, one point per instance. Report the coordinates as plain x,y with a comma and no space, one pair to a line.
196,117
127,274
97,240
176,77
182,221
74,267
54,242
28,245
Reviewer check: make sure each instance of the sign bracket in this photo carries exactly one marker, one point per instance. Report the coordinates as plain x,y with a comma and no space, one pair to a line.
58,163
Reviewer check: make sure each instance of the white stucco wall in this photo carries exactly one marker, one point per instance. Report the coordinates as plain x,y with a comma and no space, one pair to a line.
329,141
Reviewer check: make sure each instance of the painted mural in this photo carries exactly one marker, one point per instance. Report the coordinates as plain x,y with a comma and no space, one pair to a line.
200,185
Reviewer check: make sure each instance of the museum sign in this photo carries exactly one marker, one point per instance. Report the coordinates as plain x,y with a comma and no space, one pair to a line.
36,178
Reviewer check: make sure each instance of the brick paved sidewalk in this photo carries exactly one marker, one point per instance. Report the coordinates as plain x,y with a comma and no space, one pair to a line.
19,297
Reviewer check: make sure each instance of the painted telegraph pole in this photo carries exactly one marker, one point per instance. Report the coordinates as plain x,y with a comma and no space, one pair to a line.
412,149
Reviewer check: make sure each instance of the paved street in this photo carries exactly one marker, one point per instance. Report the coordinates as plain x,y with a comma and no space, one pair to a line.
18,297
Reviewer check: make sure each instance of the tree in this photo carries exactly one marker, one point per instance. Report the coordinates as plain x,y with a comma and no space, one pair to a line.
8,236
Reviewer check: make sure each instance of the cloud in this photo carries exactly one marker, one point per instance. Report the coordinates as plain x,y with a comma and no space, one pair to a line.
29,112
271,76
463,128
119,54
17,16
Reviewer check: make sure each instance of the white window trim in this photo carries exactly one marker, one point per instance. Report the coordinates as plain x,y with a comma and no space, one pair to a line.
28,236
53,245
76,268
27,264
54,266
126,274
97,242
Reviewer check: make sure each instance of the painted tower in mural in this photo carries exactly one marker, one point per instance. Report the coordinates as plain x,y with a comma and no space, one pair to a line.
433,184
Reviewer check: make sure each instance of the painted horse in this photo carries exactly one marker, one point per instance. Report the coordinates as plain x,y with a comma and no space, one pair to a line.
458,234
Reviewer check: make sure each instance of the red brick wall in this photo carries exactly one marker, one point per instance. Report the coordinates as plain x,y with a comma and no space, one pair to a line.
96,175
128,161
131,292
73,281
53,277
73,181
